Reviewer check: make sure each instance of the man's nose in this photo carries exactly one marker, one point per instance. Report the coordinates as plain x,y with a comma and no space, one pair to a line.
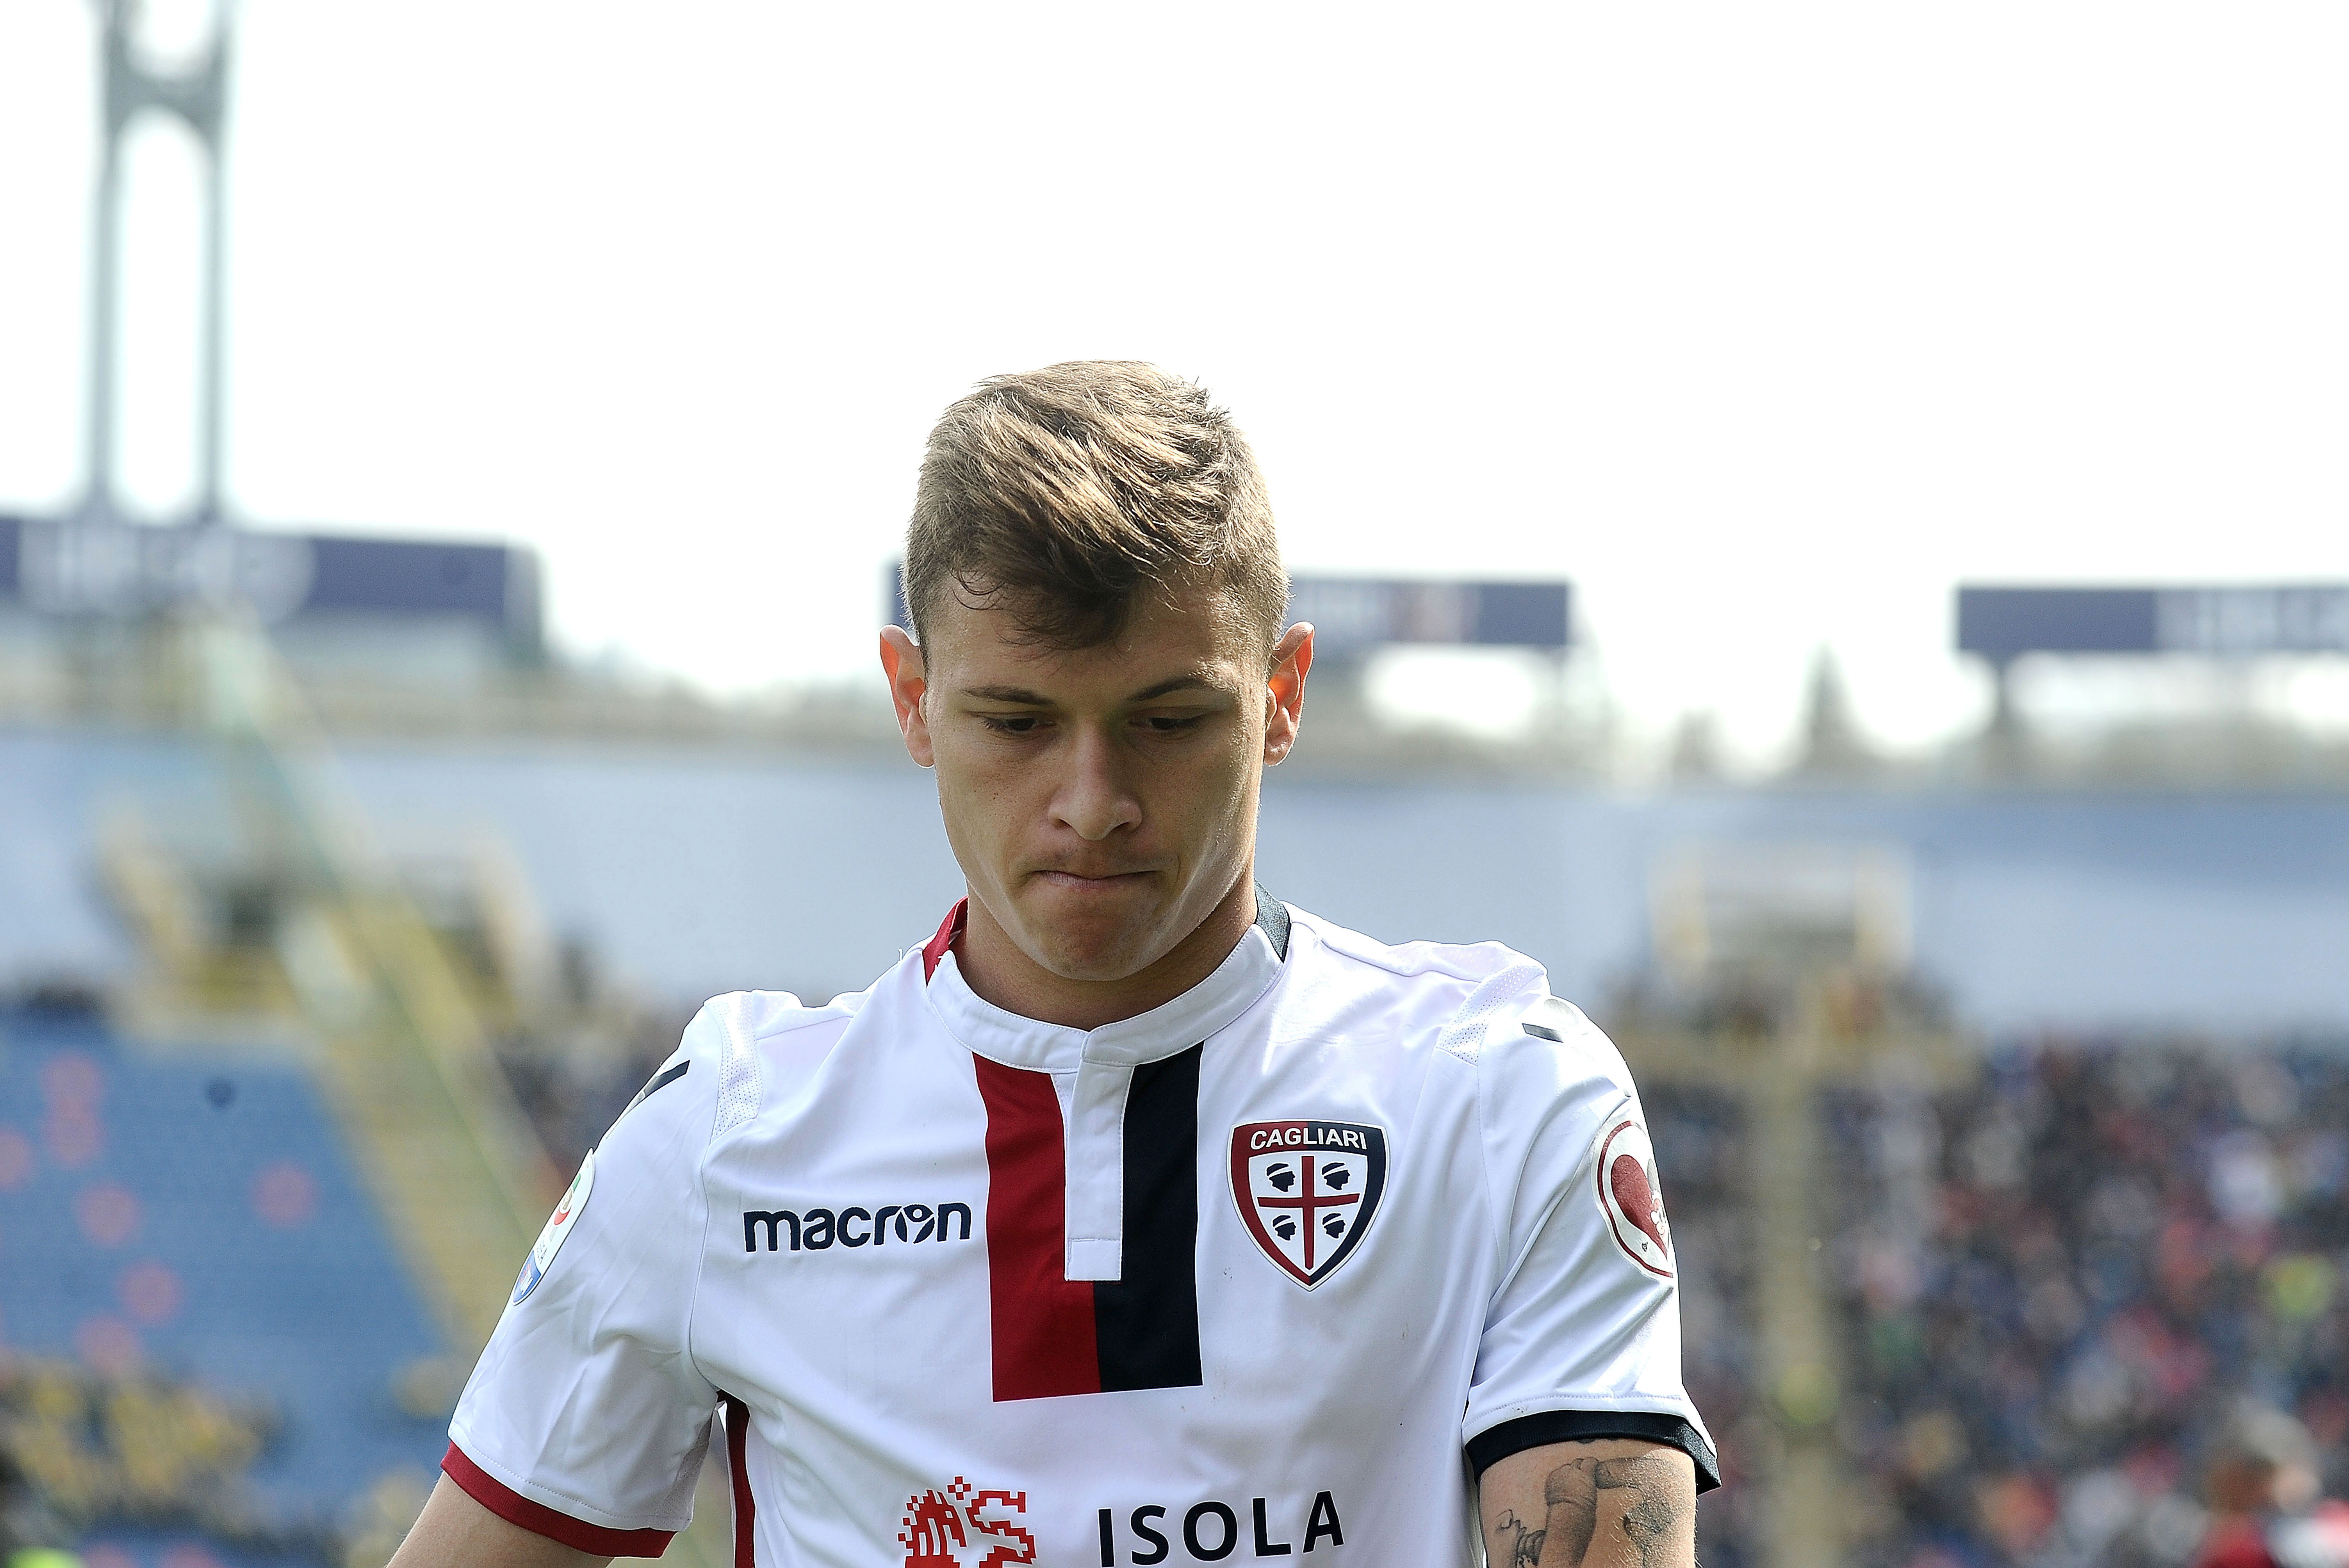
1093,800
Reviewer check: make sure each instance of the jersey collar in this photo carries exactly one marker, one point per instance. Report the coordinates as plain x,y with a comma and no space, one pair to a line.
1175,1026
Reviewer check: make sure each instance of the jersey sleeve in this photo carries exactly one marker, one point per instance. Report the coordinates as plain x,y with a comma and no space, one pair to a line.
586,1419
1582,1335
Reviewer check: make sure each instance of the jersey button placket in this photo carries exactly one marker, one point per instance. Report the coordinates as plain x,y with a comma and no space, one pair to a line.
1094,1199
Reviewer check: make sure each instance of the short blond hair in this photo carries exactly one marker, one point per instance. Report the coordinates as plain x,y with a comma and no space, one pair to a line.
1065,493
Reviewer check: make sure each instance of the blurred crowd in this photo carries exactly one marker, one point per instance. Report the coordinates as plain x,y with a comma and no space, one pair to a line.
572,1095
80,1447
2094,1309
1703,1153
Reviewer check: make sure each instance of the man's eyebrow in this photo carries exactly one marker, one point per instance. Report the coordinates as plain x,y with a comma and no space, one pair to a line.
1021,696
1167,687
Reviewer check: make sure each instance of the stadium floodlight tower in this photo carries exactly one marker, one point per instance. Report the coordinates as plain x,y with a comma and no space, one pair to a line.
131,84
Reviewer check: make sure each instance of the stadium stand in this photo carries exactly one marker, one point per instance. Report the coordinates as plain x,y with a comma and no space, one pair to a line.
205,1333
1700,1142
2070,1286
2070,1292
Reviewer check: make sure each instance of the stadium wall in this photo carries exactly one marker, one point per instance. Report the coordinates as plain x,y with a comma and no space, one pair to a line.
696,870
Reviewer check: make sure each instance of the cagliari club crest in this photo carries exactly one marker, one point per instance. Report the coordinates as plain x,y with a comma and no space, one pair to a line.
1633,1199
1308,1190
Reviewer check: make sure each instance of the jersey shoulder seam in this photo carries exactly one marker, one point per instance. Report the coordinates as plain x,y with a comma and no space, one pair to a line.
741,1084
1362,950
1512,1264
742,1076
1463,1039
1493,999
740,1046
803,1018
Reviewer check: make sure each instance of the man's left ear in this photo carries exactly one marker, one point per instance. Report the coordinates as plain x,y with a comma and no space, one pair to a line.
902,662
1284,691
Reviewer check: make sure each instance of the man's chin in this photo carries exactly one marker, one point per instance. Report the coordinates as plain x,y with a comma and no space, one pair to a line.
1101,959
1090,938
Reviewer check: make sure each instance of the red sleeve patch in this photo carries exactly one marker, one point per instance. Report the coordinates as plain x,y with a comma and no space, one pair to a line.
1632,1198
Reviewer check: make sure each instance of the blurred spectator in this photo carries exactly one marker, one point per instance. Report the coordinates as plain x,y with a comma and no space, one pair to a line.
80,1447
2079,1288
2262,1466
2319,1538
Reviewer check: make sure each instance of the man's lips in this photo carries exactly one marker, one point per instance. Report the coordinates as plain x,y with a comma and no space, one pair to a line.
1089,882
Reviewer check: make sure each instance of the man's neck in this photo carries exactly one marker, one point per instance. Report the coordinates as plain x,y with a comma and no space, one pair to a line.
995,968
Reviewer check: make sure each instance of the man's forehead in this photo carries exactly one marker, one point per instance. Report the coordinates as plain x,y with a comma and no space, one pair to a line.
1159,648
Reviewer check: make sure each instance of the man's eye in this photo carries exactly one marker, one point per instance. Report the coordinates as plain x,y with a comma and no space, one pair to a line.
1168,724
1011,723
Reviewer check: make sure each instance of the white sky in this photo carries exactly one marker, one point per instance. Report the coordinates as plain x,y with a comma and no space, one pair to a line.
1766,324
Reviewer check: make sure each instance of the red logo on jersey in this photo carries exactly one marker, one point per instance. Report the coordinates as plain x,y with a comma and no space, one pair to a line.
1308,1190
1634,1203
962,1527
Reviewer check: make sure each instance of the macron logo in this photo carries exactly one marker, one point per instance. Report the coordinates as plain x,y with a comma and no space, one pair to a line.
817,1230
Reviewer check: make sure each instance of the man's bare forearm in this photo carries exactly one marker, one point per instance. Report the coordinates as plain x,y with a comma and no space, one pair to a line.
1613,1502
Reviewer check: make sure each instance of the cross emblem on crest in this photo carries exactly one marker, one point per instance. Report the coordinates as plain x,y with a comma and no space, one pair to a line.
1307,1191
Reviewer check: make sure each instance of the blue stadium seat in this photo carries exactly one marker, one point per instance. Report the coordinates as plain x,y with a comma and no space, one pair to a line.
199,1217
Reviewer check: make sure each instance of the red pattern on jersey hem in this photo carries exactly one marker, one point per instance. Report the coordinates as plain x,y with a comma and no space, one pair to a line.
746,1509
539,1520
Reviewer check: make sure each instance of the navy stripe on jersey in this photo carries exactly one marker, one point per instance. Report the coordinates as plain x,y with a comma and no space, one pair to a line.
660,1081
1146,1324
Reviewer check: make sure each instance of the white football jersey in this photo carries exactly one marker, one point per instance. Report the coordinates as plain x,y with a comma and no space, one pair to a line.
1249,1276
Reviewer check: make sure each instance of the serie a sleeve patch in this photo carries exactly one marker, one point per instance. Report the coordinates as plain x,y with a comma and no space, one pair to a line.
1631,1195
558,1229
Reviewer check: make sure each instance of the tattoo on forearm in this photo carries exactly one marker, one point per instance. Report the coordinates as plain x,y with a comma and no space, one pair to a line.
1526,1545
1570,1496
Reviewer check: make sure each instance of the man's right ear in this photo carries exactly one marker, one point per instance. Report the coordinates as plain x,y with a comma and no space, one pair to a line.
901,661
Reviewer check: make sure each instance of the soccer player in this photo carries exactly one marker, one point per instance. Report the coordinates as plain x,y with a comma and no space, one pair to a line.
1136,1217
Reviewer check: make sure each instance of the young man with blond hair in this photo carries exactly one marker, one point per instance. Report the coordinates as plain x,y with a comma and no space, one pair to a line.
1136,1217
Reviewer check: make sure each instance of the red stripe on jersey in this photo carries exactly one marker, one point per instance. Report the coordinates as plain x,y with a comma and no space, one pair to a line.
746,1511
949,932
1043,1320
539,1520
